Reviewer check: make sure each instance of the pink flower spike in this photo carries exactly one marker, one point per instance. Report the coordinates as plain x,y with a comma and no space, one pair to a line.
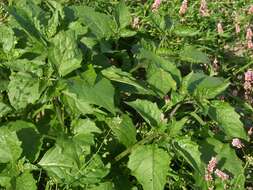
249,34
250,44
183,7
203,8
250,11
220,28
155,5
208,176
221,174
212,164
237,143
248,76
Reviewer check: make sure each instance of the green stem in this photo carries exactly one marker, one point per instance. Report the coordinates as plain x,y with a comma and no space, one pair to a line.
128,150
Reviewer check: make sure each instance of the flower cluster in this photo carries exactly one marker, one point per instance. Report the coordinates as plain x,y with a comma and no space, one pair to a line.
183,7
156,5
248,80
203,9
210,170
249,36
237,143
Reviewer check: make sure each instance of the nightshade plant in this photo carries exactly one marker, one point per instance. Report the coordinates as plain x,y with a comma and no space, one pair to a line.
125,95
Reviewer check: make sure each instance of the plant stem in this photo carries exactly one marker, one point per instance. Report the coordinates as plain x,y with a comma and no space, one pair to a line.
128,151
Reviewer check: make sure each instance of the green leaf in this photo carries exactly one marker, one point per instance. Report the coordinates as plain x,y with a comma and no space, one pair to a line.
103,186
30,138
175,127
4,109
161,80
10,146
64,53
26,180
34,66
7,38
100,94
203,86
101,25
185,31
67,163
190,151
123,16
210,87
24,20
193,55
124,130
116,74
228,119
149,111
167,65
149,164
23,89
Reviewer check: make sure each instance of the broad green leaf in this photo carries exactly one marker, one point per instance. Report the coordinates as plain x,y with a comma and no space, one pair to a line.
55,20
7,38
64,53
4,109
24,20
123,16
160,80
115,74
29,136
83,130
167,65
65,162
23,89
227,118
34,66
10,146
26,180
124,130
210,87
190,151
149,111
100,94
193,55
203,86
61,162
149,164
101,25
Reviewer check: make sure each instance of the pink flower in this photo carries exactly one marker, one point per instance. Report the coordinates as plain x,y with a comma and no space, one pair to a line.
203,10
220,28
249,34
237,143
247,86
250,44
248,76
237,28
250,11
156,5
208,176
183,7
221,174
212,164
136,23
